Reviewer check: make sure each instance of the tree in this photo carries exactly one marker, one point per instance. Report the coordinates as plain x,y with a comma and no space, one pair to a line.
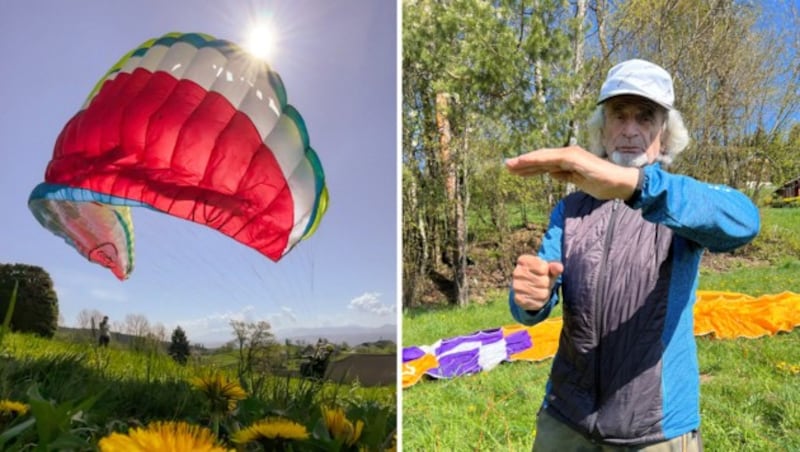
258,351
725,88
476,76
138,326
36,309
158,332
89,318
179,346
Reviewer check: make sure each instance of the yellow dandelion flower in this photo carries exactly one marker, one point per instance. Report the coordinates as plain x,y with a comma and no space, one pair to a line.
795,369
222,392
162,437
271,431
10,407
340,427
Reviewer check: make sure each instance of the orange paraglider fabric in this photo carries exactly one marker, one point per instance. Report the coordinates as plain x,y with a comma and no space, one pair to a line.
729,315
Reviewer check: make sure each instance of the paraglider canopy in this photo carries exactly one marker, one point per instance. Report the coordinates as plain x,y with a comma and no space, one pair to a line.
191,126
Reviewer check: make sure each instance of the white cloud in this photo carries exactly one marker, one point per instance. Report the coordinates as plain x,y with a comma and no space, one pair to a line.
371,304
216,328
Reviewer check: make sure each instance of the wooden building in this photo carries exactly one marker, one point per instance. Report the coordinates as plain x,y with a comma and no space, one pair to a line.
790,189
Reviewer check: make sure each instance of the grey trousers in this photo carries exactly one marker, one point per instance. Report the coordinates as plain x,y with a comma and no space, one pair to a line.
554,436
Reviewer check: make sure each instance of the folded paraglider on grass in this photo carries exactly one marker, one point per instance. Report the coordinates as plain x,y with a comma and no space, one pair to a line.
725,315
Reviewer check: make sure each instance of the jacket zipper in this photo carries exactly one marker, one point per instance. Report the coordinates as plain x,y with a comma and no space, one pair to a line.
598,323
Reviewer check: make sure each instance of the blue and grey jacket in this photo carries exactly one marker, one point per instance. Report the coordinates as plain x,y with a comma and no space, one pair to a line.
626,369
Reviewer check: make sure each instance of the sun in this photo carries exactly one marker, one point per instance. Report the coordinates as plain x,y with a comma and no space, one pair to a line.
261,41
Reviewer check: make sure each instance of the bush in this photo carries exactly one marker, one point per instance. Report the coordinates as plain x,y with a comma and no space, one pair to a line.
778,239
36,309
785,202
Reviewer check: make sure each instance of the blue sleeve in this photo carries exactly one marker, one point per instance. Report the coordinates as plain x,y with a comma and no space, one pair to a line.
549,251
714,216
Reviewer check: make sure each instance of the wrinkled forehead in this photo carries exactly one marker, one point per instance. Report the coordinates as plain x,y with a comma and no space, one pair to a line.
632,104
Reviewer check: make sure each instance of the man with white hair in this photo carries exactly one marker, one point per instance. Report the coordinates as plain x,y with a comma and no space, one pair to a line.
624,252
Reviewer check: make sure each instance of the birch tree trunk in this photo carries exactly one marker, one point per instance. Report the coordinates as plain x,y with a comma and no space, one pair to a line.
577,63
461,200
455,187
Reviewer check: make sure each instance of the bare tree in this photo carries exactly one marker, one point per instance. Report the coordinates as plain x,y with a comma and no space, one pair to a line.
158,332
86,316
258,351
137,325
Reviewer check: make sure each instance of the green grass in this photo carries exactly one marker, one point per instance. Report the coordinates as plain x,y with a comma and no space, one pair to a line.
428,324
747,401
779,237
788,219
488,411
755,280
750,401
134,388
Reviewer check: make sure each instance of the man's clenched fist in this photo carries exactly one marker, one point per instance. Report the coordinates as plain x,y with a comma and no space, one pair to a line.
533,280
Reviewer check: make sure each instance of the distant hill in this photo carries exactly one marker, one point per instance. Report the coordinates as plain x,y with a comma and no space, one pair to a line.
352,334
67,332
80,334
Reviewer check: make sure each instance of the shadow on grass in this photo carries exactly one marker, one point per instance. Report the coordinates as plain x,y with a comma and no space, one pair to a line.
67,376
421,311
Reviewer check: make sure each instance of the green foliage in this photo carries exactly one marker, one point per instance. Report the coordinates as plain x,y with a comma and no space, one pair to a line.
378,347
510,74
36,308
258,353
54,421
778,239
179,346
12,301
499,75
785,202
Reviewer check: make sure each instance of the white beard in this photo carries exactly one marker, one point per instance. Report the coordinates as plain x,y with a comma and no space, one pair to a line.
628,159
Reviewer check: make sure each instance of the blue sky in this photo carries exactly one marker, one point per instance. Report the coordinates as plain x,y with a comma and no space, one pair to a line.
338,62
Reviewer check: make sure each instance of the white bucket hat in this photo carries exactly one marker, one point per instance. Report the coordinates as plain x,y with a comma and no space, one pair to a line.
639,78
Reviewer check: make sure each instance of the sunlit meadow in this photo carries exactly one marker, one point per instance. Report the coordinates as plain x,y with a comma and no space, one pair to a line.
750,388
79,396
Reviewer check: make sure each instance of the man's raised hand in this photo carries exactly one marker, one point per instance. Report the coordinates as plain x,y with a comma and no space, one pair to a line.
590,173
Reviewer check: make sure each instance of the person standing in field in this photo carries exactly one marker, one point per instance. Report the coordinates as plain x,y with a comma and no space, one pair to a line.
105,334
624,253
